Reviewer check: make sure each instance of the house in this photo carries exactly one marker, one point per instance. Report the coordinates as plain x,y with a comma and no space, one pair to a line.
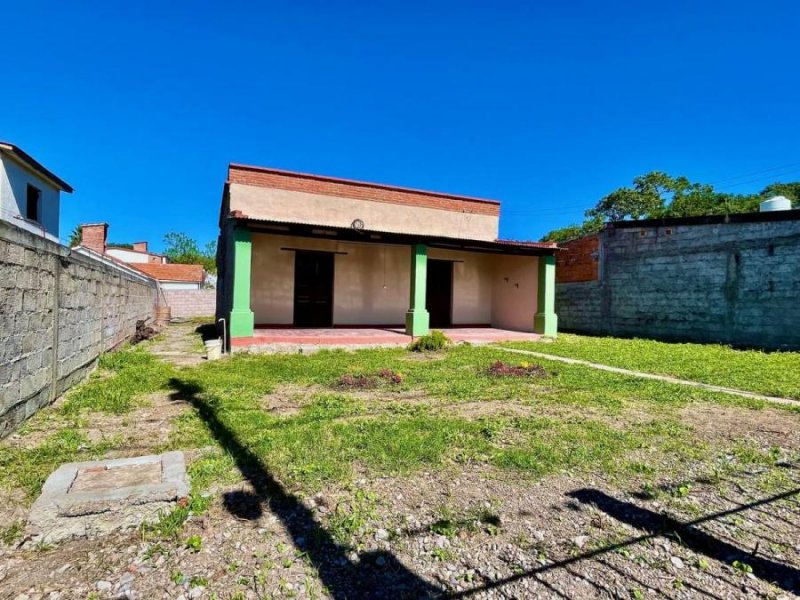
173,276
137,253
30,194
94,236
310,251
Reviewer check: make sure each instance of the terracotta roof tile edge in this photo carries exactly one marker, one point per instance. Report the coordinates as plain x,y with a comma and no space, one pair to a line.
355,182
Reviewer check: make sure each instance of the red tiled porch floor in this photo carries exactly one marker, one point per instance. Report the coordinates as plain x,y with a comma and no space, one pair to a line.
368,336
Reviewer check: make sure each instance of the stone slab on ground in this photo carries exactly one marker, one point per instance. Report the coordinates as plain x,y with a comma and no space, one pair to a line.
93,498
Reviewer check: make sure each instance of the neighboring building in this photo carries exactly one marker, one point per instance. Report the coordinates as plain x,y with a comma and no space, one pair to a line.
305,250
731,279
138,254
173,276
94,236
30,194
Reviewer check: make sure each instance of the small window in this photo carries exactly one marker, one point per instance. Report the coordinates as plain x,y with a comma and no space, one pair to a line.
32,207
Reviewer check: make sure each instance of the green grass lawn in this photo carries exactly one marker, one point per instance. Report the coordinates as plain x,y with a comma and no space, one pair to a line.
440,410
775,373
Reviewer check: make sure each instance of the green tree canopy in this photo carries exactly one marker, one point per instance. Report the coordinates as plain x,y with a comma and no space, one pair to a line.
658,194
185,250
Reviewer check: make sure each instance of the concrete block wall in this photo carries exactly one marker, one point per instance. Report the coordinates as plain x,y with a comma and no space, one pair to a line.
191,303
58,312
735,283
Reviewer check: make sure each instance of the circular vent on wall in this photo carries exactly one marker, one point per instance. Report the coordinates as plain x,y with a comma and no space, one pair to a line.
357,224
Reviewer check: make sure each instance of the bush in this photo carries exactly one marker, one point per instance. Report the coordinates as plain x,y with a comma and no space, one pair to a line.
435,340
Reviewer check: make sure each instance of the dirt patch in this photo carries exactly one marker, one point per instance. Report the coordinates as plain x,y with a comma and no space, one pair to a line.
288,399
769,426
501,369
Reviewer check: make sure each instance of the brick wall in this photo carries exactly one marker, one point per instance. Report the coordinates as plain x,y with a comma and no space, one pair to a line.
734,283
578,261
191,303
60,311
360,190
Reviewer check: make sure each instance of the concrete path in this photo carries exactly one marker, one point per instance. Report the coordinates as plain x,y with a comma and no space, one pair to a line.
666,378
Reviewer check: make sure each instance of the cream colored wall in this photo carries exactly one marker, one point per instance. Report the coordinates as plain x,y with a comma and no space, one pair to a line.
370,287
472,285
317,209
514,290
480,293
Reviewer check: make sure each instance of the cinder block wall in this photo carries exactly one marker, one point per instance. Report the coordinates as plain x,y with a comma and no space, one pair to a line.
58,312
191,303
735,283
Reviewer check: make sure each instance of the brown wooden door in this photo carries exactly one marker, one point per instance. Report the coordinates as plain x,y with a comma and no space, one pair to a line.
439,297
313,289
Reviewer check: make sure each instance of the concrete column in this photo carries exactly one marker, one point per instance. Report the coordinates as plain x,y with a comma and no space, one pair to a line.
417,317
546,320
242,321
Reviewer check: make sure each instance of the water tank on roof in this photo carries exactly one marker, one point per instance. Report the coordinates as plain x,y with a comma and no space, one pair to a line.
775,203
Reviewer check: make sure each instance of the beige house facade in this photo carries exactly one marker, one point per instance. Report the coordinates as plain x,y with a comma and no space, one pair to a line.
300,250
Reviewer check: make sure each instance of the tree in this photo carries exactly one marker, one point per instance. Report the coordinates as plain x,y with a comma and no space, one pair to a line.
657,194
183,249
76,237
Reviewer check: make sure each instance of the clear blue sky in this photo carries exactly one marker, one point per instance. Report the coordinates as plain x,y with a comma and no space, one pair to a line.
546,106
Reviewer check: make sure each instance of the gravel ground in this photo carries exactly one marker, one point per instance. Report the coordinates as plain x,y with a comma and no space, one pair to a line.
472,533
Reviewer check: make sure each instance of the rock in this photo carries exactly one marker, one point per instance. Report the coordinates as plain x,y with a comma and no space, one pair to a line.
580,541
381,534
380,561
196,592
676,562
103,586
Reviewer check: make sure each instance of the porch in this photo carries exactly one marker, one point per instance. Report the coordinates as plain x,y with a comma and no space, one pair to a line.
289,338
296,285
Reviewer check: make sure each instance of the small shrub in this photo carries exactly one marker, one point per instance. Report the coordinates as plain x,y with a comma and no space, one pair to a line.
435,340
501,369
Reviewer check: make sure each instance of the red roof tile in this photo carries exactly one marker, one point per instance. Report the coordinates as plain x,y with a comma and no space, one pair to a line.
171,272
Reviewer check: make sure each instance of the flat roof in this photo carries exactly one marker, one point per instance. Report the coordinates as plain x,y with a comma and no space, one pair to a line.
353,182
35,165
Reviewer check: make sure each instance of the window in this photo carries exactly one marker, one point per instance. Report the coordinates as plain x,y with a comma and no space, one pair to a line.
32,206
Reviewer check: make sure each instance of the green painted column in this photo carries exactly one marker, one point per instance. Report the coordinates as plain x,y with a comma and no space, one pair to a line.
546,320
242,319
417,317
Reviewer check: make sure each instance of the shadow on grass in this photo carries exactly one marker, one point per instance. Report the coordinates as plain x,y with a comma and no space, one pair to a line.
374,575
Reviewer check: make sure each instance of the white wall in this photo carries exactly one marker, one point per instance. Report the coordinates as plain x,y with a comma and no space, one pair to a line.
14,180
132,256
178,285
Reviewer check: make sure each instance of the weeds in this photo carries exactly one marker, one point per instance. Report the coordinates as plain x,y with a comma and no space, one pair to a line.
432,342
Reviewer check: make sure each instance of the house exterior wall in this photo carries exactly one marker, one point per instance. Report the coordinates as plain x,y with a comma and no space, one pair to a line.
472,285
514,291
131,256
734,283
178,285
335,211
372,282
14,180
